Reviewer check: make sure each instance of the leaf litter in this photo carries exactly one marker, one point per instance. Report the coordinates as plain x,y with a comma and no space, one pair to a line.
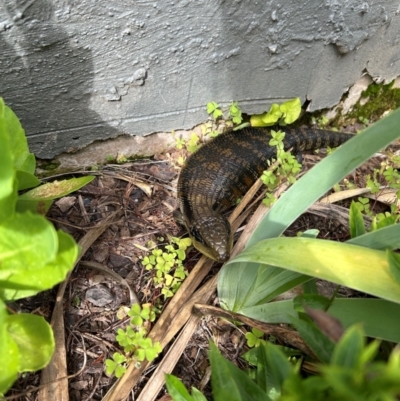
144,194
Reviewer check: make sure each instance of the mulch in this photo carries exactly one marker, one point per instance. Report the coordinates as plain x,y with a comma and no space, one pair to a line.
143,194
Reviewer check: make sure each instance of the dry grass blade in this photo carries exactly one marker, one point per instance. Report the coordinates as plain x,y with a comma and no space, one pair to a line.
385,195
57,368
341,195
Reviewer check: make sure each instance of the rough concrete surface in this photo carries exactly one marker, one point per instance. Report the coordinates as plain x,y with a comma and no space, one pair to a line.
77,71
128,146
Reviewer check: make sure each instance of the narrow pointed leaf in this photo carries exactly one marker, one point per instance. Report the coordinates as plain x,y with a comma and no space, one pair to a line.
340,263
278,363
177,389
357,226
349,349
231,383
319,343
40,198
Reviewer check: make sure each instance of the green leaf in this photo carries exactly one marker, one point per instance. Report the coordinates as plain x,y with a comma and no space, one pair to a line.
256,120
211,106
278,363
266,119
259,284
394,264
153,351
231,383
267,379
38,251
9,353
8,187
370,351
263,375
197,395
34,338
384,238
310,288
291,110
319,343
252,339
119,371
140,354
273,115
110,366
357,226
383,222
119,358
176,389
313,301
40,198
26,180
348,351
340,263
23,159
26,240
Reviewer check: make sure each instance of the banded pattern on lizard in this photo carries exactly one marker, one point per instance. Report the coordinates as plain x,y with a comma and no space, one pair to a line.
223,170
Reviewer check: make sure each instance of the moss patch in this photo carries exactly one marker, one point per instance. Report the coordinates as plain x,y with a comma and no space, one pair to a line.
378,99
374,102
48,165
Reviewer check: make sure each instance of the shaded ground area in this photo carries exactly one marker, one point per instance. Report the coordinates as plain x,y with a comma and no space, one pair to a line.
143,195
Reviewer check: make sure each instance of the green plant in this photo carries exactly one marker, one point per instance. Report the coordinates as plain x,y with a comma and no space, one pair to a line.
193,144
283,114
168,266
386,176
214,109
321,122
286,167
233,113
137,347
33,255
363,120
179,143
363,206
169,274
121,159
374,102
351,371
254,338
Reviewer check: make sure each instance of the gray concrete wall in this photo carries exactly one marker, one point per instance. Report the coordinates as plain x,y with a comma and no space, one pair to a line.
76,71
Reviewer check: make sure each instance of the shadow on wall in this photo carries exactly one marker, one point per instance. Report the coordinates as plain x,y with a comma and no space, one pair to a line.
47,79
